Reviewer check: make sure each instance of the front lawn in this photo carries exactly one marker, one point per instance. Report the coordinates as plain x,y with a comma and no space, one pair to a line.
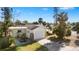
32,47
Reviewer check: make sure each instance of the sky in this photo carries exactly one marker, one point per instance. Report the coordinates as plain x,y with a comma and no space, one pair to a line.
32,14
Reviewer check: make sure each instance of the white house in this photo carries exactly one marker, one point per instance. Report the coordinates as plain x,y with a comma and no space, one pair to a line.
32,31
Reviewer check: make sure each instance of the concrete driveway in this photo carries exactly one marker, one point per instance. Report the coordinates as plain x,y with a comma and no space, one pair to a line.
52,46
55,46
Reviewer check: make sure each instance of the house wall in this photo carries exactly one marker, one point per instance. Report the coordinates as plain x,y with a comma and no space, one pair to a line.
28,33
14,32
39,33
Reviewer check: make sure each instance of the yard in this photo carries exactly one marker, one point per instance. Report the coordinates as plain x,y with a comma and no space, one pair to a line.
29,47
32,47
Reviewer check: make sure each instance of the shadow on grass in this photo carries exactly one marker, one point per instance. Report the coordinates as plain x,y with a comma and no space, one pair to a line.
27,44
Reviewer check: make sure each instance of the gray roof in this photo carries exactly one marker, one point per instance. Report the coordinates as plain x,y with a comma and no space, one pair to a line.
29,26
32,26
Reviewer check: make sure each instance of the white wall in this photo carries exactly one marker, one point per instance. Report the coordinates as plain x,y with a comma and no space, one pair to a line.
39,33
28,33
14,32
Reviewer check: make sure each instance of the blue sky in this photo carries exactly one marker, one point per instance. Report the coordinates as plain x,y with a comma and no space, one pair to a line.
34,13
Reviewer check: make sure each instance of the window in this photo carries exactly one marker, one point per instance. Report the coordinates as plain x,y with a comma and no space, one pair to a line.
19,31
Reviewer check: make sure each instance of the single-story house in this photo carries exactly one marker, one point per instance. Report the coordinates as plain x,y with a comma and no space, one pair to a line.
32,31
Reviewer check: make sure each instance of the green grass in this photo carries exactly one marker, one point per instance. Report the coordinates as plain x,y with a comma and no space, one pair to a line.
32,47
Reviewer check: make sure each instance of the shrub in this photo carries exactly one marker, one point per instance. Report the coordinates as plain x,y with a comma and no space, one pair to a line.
23,36
11,40
4,43
54,39
67,40
77,42
68,33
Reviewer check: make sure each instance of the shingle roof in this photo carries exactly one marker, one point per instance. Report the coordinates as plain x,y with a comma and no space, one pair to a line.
31,27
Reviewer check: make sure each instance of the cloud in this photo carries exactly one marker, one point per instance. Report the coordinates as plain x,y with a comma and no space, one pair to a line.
45,9
66,8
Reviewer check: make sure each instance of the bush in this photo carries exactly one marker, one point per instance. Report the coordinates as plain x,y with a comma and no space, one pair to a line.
77,42
4,43
54,39
23,36
68,33
11,40
67,40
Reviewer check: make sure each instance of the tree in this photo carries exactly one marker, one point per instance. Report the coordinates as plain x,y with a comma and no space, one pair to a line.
61,27
17,22
35,23
40,20
7,15
44,23
25,22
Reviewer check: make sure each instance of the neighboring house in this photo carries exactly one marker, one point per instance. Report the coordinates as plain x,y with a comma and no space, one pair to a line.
34,32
